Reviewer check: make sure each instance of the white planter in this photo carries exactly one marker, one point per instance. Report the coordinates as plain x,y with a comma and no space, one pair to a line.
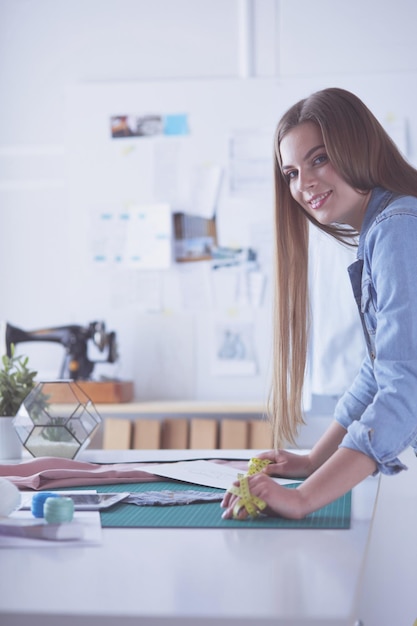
10,444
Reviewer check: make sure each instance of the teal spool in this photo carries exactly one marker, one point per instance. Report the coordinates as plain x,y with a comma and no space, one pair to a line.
58,510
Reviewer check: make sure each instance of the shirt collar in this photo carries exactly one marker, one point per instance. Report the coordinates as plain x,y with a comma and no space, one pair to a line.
379,199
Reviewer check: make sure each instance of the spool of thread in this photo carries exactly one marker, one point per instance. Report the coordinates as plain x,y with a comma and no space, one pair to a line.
10,497
58,510
38,502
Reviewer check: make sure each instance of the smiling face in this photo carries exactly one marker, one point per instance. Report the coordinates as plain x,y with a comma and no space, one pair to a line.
313,181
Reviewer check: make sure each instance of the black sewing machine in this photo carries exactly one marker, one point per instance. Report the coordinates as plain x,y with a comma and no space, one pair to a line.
75,339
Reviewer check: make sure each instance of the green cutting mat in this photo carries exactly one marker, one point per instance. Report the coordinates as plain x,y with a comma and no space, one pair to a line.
208,514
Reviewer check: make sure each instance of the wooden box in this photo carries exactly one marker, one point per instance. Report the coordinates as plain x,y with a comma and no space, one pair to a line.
107,392
117,434
146,434
203,433
174,433
233,434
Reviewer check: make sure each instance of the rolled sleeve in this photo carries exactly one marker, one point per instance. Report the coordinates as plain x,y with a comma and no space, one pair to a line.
359,438
379,411
359,396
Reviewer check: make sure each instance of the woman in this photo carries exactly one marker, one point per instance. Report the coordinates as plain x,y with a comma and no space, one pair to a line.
337,168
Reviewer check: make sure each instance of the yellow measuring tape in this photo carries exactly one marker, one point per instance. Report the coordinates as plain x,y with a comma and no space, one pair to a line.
256,465
252,504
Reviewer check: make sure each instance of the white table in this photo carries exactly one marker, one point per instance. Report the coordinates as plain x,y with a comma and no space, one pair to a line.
199,577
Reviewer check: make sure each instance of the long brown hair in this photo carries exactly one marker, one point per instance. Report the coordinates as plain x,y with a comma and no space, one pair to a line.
365,157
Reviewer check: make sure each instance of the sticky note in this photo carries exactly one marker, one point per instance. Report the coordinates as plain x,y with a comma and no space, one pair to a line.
176,124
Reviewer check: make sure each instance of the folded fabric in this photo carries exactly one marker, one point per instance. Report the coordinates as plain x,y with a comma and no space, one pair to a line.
171,498
54,472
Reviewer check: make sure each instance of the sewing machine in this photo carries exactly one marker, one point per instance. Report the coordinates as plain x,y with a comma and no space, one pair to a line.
75,339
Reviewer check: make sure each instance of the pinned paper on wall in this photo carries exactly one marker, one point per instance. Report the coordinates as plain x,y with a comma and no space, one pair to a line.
168,180
135,236
206,190
256,288
237,279
251,162
148,241
195,286
233,348
108,225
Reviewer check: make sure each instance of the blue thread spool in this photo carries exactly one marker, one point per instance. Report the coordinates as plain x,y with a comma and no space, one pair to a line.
58,510
38,502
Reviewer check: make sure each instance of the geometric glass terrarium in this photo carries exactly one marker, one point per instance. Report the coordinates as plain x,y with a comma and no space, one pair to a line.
56,419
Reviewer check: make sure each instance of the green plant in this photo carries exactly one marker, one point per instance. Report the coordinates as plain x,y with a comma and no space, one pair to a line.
16,381
57,430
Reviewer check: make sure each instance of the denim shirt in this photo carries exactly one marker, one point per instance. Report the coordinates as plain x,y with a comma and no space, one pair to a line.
379,411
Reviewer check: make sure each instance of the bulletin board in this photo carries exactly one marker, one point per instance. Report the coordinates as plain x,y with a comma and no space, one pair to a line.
202,148
139,152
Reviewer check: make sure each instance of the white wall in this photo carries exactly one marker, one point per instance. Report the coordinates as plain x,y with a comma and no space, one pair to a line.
359,36
46,45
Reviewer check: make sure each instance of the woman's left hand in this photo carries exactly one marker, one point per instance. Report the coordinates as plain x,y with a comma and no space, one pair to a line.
279,500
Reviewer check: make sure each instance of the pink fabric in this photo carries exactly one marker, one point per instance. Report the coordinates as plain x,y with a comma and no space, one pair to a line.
53,472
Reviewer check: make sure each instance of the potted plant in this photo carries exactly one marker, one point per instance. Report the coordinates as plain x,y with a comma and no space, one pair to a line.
16,381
